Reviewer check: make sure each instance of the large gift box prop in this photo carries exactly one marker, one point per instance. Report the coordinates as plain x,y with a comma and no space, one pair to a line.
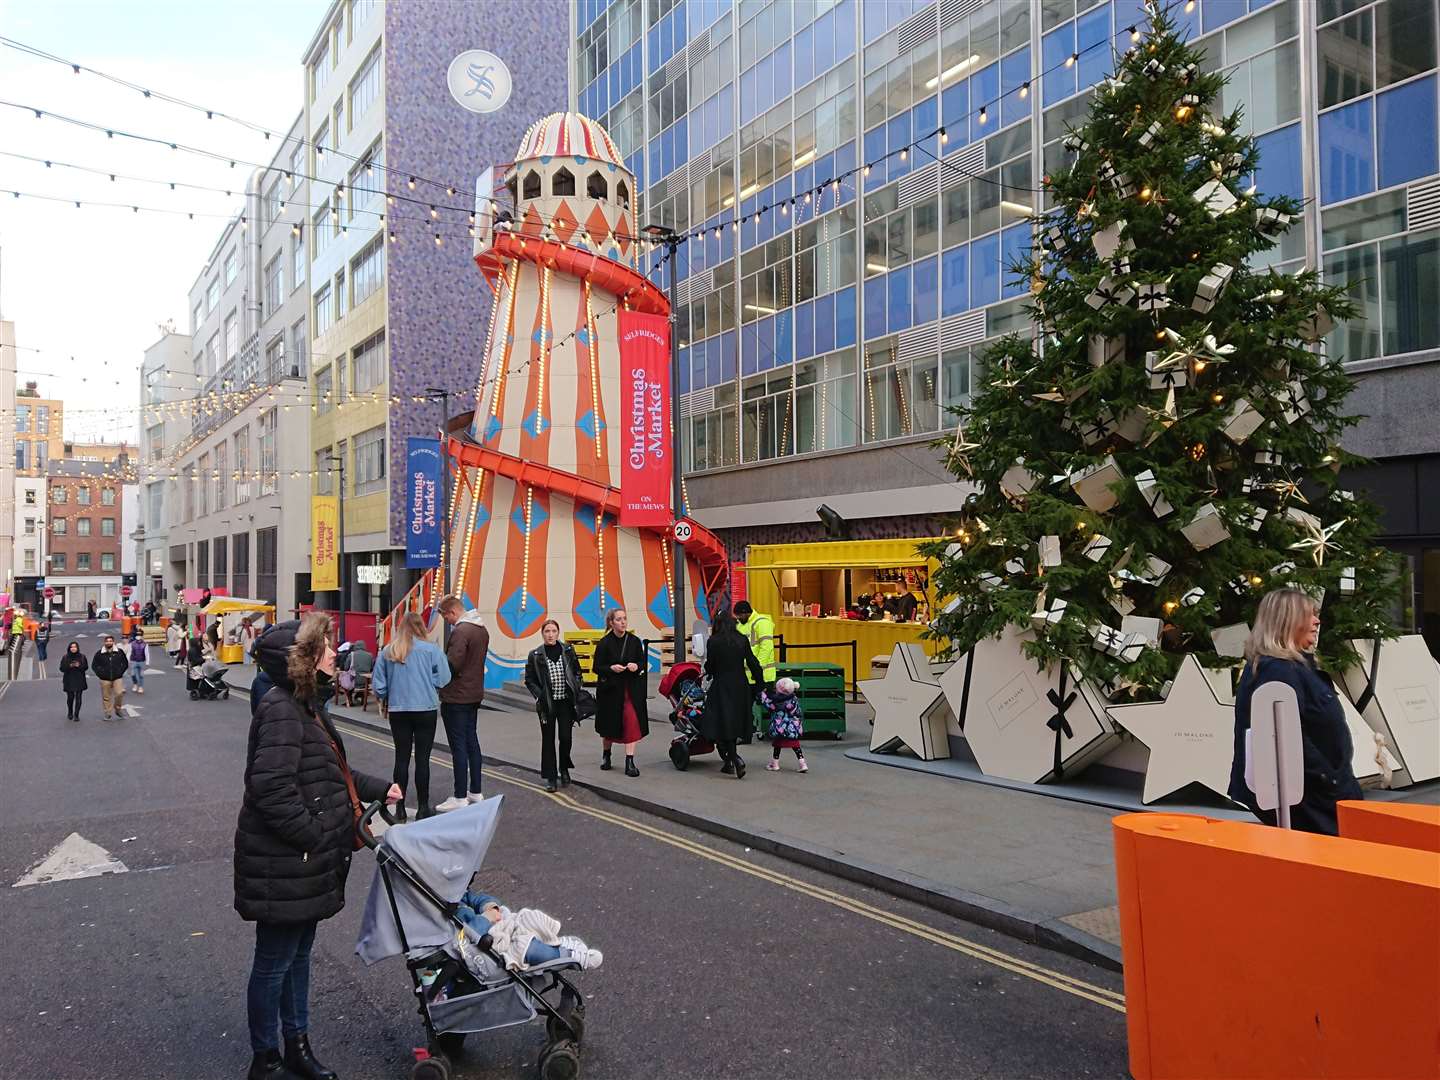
1396,688
910,707
1023,724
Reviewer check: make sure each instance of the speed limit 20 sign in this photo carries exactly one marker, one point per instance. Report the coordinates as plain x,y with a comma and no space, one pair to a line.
684,531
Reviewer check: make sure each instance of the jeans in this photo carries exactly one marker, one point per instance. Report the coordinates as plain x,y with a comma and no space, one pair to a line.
470,912
279,983
137,674
41,647
465,758
417,728
564,719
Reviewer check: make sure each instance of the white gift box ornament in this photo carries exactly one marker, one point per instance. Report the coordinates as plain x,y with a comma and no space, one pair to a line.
1055,239
1075,143
1150,492
1207,292
1153,69
1231,164
1015,566
1049,548
1123,186
1317,325
1018,481
1097,430
1215,197
1166,370
1240,585
955,551
1254,517
1306,520
1141,627
1193,596
1131,426
989,582
1123,647
1230,640
1096,547
1043,617
1296,403
1271,220
1206,528
1122,604
1347,581
1269,457
1154,571
1153,297
1105,349
1151,133
1095,484
1107,240
1242,422
1108,291
1282,569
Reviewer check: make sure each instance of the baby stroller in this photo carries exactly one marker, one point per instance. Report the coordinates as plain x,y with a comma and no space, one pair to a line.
462,985
207,681
682,687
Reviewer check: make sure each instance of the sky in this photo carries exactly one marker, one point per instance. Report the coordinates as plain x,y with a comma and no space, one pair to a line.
89,289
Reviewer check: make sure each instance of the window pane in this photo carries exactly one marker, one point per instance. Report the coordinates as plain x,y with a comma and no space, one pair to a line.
1360,337
955,280
1347,158
1345,54
1279,170
1410,282
1367,219
985,265
899,307
1405,121
1404,39
1274,96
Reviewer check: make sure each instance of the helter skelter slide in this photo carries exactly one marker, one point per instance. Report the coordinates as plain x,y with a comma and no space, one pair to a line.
535,480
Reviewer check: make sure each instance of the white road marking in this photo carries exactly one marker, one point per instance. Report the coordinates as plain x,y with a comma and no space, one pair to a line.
131,711
153,671
74,857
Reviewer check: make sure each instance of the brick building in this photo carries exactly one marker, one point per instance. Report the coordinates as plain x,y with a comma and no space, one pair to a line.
85,532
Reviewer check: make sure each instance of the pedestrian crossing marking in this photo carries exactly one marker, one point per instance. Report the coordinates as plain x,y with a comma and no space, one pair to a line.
74,857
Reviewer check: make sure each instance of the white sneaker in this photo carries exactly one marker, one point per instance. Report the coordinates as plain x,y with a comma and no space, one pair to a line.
475,796
452,803
582,954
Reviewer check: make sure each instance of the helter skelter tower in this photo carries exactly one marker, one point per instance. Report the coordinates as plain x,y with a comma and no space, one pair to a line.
536,478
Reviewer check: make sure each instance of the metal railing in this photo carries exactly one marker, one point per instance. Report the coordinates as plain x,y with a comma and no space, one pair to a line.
852,645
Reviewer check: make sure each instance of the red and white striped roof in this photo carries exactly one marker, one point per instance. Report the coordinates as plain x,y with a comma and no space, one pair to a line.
568,135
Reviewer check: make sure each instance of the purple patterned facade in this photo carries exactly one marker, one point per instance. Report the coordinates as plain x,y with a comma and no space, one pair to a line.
438,302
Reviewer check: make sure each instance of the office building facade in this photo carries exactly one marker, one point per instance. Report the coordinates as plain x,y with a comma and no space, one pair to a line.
823,343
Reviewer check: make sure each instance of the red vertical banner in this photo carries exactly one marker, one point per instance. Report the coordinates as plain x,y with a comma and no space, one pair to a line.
645,467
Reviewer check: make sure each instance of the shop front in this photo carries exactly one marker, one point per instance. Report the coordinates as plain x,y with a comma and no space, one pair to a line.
824,596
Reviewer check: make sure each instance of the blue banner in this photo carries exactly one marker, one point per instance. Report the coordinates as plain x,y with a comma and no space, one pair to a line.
422,502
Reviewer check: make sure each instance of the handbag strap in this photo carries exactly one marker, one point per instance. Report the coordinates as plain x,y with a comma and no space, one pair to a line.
350,788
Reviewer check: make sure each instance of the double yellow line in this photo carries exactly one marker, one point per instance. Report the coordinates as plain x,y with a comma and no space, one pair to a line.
1100,995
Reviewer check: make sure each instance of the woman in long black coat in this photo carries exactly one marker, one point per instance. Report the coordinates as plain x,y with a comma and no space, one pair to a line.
1287,624
294,839
727,713
73,666
621,671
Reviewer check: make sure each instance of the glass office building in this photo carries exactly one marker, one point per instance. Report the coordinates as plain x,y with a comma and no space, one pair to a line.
824,338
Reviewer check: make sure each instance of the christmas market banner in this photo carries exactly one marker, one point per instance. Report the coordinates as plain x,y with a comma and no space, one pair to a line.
422,502
645,476
324,556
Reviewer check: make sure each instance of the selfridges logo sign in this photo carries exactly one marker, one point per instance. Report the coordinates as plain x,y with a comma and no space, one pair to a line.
479,81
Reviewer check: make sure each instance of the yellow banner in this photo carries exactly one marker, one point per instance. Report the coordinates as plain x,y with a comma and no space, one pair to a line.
324,559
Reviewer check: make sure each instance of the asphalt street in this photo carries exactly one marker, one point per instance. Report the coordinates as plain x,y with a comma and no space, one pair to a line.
719,961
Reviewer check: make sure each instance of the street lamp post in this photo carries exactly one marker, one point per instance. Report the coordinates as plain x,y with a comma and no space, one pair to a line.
672,241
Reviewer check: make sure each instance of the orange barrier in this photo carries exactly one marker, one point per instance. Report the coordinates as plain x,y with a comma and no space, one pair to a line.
1262,953
1402,824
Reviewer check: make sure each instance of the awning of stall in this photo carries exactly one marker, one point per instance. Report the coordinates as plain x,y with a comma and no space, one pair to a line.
836,554
230,605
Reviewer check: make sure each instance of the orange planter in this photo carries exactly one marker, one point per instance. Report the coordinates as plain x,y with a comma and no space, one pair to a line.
1262,953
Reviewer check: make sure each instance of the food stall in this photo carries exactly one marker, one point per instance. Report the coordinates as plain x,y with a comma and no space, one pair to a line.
233,614
876,593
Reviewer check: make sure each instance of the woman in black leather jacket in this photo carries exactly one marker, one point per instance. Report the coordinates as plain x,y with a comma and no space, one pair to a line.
552,675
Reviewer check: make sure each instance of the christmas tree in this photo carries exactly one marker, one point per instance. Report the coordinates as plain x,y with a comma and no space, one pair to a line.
1168,451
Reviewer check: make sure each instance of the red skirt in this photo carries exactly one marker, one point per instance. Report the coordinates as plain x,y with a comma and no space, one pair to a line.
629,723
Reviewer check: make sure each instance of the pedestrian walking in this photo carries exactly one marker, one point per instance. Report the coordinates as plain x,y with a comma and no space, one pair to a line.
785,720
138,655
621,675
460,701
90,610
73,666
42,638
1279,649
552,675
407,675
109,666
726,717
293,841
174,641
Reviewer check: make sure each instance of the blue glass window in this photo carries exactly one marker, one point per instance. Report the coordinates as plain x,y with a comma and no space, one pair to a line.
925,119
1014,248
897,135
899,313
805,330
984,90
805,57
1092,42
1347,156
784,344
1054,48
727,356
749,349
955,280
1279,171
714,362
845,317
1014,73
825,324
684,363
1406,126
927,290
875,307
1219,12
985,262
955,111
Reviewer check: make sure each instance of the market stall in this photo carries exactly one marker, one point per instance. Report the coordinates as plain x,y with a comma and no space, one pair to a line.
240,619
875,593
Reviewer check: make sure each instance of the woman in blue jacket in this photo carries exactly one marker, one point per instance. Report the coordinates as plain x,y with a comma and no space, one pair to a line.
407,676
1287,625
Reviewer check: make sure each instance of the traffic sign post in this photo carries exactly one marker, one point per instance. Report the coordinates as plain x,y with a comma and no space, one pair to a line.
1274,753
49,594
684,531
126,590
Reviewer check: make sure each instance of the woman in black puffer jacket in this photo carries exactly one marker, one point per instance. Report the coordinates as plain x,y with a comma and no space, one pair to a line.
294,839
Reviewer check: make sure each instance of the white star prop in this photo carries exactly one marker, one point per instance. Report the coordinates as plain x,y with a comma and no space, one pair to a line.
910,707
1191,734
1317,542
960,448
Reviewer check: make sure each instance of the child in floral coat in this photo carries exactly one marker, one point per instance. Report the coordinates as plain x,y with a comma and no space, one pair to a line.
787,723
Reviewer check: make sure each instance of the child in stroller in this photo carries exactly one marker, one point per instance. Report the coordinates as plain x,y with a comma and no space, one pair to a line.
682,687
207,681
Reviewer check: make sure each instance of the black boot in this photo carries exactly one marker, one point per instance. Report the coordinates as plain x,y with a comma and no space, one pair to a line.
739,768
423,811
550,786
605,762
728,768
399,813
268,1065
564,778
301,1061
630,769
